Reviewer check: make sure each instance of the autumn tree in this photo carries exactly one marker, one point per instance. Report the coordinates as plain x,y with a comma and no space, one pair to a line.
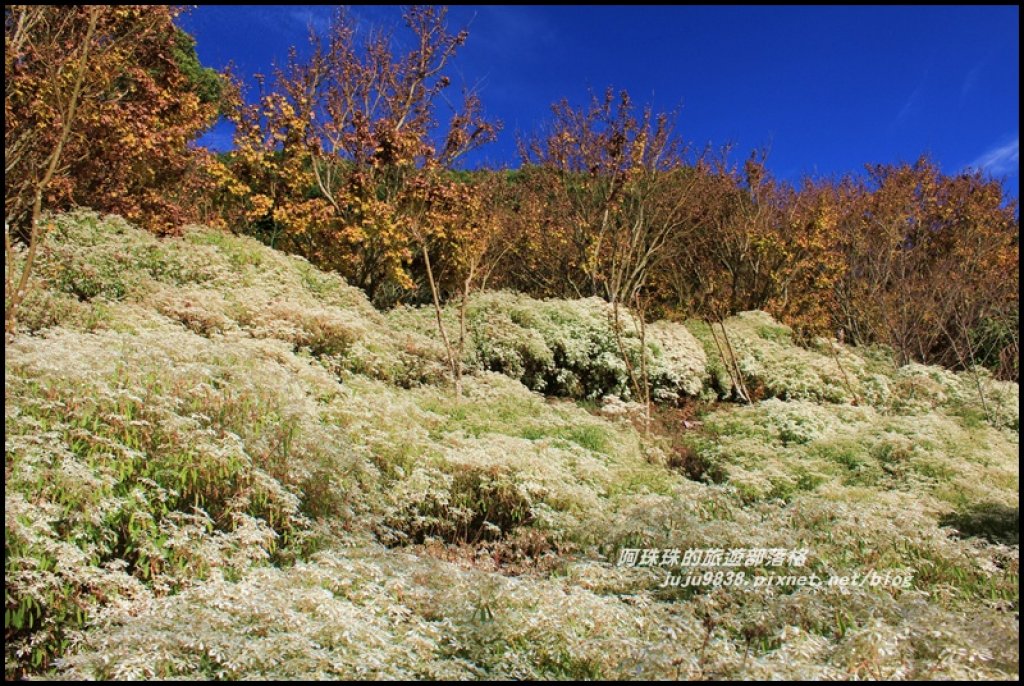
456,222
928,259
29,162
100,104
763,244
142,98
622,182
541,258
266,185
345,141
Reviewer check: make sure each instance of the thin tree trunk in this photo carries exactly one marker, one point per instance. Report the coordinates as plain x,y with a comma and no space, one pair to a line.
454,365
735,362
644,375
617,332
16,295
729,360
846,379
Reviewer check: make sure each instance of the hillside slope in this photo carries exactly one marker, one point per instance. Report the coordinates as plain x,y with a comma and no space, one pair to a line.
222,462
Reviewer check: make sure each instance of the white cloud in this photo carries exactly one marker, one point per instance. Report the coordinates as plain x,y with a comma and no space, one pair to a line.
909,106
319,18
970,80
1001,160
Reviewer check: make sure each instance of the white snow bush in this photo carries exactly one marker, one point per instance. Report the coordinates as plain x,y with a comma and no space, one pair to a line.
223,463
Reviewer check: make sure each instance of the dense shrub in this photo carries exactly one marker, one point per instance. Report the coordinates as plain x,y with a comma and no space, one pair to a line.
568,347
230,465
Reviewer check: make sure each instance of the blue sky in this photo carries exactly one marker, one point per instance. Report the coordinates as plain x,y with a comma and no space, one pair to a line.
825,89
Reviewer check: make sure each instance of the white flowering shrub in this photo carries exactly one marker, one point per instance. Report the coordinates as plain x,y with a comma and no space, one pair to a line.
568,347
971,394
496,460
162,456
772,366
223,463
102,273
372,613
775,449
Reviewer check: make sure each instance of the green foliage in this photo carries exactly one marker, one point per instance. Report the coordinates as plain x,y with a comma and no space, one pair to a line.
205,82
997,342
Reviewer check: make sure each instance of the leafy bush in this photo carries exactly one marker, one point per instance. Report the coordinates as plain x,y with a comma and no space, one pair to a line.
827,372
157,458
568,347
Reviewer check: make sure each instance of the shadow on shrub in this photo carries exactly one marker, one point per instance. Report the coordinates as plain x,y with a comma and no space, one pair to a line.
992,521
